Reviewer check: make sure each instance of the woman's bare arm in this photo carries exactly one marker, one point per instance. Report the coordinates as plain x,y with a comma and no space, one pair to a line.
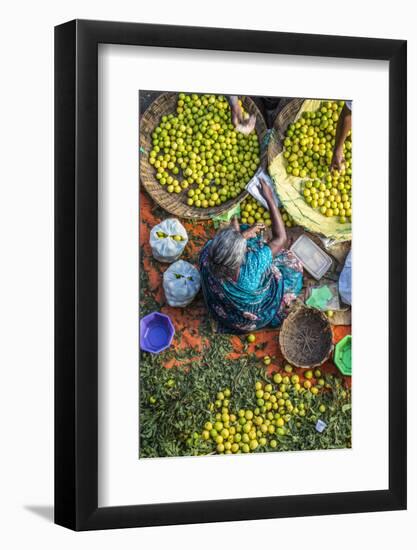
279,234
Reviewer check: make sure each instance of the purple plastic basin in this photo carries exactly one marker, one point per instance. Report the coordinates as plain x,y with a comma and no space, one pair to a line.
156,332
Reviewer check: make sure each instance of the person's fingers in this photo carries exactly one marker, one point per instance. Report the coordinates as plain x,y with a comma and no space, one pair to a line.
264,186
336,164
337,161
255,228
235,223
248,124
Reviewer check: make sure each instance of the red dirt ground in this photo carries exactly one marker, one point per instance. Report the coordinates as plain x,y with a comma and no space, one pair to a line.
187,321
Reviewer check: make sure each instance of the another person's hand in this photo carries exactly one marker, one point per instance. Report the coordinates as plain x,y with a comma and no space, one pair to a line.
243,123
237,115
337,160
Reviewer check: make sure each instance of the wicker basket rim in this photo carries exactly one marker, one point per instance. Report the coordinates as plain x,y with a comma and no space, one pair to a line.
285,332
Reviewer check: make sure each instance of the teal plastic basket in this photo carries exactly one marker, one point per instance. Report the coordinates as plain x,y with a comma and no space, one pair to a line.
343,355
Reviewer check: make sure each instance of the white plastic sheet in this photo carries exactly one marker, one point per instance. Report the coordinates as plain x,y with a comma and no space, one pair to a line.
254,187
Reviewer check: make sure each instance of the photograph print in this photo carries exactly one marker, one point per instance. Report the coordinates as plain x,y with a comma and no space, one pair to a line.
245,233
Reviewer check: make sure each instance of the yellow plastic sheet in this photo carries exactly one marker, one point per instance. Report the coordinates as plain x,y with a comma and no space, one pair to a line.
289,191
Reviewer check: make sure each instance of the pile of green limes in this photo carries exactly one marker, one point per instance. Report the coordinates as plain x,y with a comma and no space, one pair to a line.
251,211
308,148
280,402
198,149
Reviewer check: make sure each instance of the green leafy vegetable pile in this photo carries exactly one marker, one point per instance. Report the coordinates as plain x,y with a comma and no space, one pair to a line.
219,405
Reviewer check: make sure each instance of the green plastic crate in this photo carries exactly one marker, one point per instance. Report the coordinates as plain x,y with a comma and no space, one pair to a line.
343,355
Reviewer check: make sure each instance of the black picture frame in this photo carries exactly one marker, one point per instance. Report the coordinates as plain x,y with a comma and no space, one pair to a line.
76,271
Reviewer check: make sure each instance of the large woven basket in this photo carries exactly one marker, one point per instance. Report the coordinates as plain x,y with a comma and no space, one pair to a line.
306,337
283,119
289,188
173,202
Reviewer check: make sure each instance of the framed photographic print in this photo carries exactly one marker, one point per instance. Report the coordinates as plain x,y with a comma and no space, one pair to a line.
210,184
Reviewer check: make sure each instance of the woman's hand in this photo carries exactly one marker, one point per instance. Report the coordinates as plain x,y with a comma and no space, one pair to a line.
266,192
235,223
253,230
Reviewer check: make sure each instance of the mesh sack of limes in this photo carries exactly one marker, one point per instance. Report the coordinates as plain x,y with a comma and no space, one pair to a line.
232,406
314,196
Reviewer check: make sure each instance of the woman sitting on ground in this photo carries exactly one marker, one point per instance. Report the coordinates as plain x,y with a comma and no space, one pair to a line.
248,283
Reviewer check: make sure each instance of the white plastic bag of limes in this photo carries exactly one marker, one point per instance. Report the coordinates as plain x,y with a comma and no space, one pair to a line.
181,283
168,240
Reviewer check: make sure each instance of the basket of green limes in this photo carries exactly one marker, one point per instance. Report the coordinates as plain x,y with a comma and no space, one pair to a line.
300,152
193,162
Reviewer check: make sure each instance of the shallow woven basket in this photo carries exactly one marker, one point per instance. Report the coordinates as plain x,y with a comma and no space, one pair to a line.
306,337
283,119
173,202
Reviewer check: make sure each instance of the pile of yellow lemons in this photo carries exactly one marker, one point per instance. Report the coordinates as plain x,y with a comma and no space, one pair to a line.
278,403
